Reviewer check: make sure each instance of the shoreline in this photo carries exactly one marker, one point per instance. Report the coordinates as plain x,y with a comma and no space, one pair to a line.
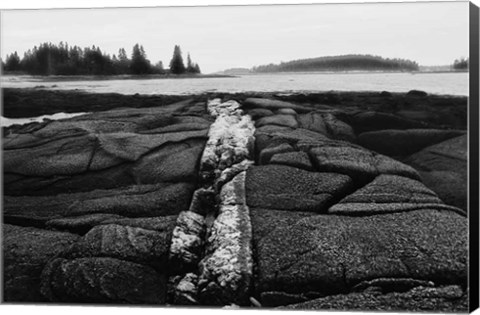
449,110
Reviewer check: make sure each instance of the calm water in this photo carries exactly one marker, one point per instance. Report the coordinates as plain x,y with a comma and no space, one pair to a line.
435,83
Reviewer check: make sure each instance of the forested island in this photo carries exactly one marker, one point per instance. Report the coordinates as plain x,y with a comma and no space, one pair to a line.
62,59
341,63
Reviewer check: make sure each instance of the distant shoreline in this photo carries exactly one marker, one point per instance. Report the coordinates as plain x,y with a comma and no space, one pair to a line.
61,78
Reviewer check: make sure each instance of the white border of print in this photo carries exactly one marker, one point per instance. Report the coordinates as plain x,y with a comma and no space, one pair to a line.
81,310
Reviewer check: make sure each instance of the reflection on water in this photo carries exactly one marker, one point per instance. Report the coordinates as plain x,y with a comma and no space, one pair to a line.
434,83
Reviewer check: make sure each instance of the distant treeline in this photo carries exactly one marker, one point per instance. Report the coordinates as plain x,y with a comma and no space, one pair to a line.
341,63
62,59
460,64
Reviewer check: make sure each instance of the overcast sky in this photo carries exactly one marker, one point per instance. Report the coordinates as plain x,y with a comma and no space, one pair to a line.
244,36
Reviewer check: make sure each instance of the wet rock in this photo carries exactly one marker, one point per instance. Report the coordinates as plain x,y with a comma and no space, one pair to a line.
133,244
25,252
297,159
279,120
135,201
102,280
421,299
187,242
404,142
287,188
330,254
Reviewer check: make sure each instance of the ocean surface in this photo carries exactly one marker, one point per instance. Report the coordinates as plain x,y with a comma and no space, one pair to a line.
433,83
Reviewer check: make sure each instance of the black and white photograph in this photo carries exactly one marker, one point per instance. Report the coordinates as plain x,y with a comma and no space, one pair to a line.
269,156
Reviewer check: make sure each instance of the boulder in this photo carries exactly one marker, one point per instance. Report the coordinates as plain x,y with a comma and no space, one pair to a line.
404,142
81,224
446,299
327,124
287,188
26,251
267,153
329,254
102,280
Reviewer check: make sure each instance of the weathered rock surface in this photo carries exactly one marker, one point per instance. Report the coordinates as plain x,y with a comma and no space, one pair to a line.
330,254
286,188
105,150
187,242
133,244
390,193
227,268
26,251
102,280
363,121
404,142
358,163
443,168
297,159
135,201
420,299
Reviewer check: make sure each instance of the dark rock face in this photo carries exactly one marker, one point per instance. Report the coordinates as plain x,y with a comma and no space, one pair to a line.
297,159
356,162
443,168
26,251
420,299
105,150
390,193
133,244
120,178
102,280
273,104
135,201
330,254
404,142
288,188
279,120
364,121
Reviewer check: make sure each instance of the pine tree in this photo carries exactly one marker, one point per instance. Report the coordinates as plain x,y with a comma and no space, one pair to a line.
12,62
140,64
176,64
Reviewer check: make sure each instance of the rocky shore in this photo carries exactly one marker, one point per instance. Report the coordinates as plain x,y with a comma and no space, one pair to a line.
345,201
